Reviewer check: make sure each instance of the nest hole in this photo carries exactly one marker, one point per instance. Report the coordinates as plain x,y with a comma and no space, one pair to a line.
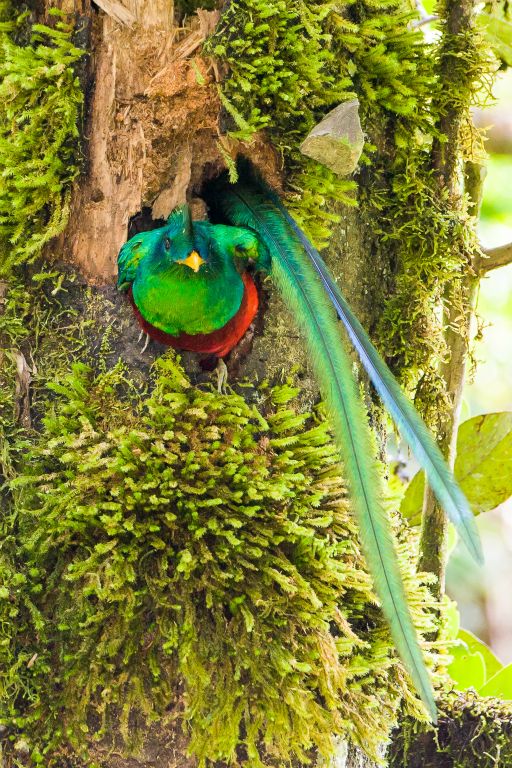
143,221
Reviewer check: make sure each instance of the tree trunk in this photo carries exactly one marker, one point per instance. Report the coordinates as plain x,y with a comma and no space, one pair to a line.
151,137
153,134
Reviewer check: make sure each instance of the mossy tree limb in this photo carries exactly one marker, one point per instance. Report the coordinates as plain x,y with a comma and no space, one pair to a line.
472,733
460,45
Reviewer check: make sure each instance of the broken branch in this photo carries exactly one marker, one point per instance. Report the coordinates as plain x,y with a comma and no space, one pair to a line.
495,258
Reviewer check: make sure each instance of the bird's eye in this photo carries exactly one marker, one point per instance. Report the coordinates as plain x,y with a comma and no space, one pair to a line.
167,244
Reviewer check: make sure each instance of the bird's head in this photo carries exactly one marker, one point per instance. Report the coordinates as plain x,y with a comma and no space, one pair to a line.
169,246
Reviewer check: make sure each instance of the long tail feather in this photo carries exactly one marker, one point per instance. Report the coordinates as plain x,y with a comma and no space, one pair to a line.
402,411
291,270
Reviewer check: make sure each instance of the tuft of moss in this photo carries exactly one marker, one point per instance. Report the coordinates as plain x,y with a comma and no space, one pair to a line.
428,232
194,547
283,75
40,106
39,332
473,732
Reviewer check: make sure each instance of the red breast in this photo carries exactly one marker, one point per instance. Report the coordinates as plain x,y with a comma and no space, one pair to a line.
218,342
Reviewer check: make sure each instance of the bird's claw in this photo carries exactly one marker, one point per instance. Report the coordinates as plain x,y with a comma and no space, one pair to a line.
222,376
145,343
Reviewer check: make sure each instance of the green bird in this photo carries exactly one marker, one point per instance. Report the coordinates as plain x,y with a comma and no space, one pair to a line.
188,283
198,307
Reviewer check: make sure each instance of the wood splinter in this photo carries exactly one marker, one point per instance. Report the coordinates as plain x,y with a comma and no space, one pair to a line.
117,11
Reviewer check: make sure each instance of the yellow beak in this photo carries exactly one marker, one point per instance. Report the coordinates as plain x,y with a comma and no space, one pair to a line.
193,261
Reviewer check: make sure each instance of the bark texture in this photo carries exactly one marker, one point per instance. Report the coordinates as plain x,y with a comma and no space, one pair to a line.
150,129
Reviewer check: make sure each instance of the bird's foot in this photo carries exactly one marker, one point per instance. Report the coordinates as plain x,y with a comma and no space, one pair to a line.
222,376
141,334
145,343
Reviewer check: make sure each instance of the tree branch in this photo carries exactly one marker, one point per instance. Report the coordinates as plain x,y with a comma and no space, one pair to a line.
426,20
458,334
495,258
460,295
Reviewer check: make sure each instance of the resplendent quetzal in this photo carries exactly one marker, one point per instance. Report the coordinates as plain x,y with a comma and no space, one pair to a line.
190,289
188,284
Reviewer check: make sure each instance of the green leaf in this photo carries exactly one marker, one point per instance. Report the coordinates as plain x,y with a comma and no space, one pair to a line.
467,669
500,685
474,665
492,664
484,460
483,466
412,503
499,35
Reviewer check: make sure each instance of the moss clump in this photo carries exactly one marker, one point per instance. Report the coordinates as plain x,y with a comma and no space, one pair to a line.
473,732
39,330
40,105
193,542
283,76
425,227
288,65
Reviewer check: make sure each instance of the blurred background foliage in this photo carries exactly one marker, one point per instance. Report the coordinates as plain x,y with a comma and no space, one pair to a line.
483,596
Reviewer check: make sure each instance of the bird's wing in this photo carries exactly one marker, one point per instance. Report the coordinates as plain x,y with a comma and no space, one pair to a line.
131,255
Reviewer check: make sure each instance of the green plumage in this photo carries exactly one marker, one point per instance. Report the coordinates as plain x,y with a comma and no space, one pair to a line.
176,299
403,412
246,206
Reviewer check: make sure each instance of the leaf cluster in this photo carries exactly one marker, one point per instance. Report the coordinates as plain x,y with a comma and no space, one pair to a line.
482,466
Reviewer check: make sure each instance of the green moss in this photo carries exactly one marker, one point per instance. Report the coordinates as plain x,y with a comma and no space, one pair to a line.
473,732
36,326
180,548
283,76
427,229
368,49
40,105
193,542
423,236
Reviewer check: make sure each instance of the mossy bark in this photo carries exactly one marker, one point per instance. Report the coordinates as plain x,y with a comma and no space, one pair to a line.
460,295
153,129
472,733
131,122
